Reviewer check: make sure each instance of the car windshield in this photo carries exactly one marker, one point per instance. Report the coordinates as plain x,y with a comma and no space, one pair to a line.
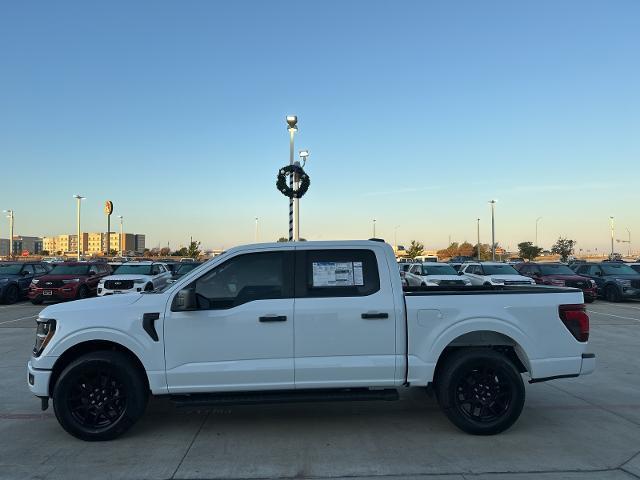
438,270
619,269
186,267
556,270
10,268
133,269
70,270
499,270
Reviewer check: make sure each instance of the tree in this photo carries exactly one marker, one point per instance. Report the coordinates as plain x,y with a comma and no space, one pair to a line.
485,251
164,252
563,247
528,250
194,250
465,249
415,249
283,239
183,252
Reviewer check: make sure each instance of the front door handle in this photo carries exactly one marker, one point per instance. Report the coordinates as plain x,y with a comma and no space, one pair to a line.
374,315
273,318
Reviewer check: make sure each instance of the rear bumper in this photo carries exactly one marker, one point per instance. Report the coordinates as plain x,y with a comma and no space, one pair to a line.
60,293
588,363
38,380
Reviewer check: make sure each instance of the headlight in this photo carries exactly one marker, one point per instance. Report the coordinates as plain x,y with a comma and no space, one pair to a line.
558,283
3,280
139,280
73,280
624,283
45,330
33,282
437,282
593,283
467,282
533,282
497,281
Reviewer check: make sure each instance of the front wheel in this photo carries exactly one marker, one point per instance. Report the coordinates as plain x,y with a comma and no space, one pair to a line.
480,391
83,292
12,295
612,294
99,396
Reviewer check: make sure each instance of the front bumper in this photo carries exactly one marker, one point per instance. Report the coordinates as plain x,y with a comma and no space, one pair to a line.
630,292
38,380
60,293
137,288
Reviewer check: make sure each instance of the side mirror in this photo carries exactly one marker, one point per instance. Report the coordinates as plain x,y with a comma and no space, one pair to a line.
184,300
459,273
25,273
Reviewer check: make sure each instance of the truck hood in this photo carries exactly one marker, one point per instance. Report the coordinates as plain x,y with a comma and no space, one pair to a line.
565,277
44,278
91,304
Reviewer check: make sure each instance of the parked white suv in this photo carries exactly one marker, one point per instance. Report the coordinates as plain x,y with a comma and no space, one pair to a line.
493,273
135,277
438,274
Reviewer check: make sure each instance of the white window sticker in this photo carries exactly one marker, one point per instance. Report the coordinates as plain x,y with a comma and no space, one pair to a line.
337,274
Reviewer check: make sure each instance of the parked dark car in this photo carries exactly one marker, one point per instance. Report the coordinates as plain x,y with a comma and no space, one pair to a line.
559,275
184,268
69,281
615,281
15,278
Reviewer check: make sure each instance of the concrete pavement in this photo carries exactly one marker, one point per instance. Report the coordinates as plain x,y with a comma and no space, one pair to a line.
584,428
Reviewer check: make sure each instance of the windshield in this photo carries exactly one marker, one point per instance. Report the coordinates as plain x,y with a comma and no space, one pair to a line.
70,270
438,270
619,269
133,269
499,270
186,267
556,270
10,268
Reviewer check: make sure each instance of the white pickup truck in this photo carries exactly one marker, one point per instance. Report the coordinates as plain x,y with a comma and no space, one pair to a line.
311,321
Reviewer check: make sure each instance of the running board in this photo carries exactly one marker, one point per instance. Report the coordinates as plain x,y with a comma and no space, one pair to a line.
282,396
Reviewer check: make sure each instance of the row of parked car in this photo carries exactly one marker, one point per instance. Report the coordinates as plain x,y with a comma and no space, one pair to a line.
613,281
40,281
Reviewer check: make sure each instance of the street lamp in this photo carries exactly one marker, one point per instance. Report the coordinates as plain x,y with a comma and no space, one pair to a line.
478,244
612,233
493,229
629,246
256,232
537,220
374,228
292,122
121,237
79,199
9,213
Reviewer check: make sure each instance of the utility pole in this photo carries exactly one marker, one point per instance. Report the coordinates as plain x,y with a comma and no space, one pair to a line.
374,228
612,233
121,236
9,213
493,230
629,246
256,232
478,244
79,199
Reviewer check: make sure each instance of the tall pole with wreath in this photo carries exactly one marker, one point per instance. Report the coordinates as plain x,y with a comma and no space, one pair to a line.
298,182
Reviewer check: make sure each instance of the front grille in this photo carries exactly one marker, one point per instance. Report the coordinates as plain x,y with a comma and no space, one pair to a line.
581,284
50,284
635,283
451,282
118,284
516,282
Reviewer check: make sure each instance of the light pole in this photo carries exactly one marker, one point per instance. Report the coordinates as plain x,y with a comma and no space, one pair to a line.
493,229
292,121
537,220
629,245
478,244
612,233
79,199
9,213
304,155
256,233
121,237
374,228
395,237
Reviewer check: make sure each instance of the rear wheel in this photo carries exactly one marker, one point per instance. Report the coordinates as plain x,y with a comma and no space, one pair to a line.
612,294
12,295
589,299
83,292
480,391
99,396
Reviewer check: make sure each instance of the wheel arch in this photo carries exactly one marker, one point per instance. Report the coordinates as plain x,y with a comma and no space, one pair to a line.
89,346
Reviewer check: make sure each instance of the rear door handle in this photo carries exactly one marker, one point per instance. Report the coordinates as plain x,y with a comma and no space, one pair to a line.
273,318
374,315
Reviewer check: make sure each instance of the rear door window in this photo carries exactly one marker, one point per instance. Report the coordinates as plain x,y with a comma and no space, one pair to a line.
336,273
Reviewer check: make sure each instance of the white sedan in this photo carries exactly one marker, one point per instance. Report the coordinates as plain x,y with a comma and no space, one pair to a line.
493,273
134,277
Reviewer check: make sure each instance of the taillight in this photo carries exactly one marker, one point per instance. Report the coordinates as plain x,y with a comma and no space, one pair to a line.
576,320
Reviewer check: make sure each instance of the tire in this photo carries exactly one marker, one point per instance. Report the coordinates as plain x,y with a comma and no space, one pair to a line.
589,299
91,418
611,294
12,295
83,292
468,386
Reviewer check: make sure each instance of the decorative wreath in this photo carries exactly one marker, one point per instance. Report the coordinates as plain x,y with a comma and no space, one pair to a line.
283,186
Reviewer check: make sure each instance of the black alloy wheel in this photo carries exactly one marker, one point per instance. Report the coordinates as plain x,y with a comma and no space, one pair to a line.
83,292
12,295
480,390
612,294
100,395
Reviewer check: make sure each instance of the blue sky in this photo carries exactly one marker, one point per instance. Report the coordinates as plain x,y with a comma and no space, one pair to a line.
416,114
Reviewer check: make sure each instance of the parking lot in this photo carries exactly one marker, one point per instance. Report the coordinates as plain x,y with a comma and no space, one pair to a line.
584,428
